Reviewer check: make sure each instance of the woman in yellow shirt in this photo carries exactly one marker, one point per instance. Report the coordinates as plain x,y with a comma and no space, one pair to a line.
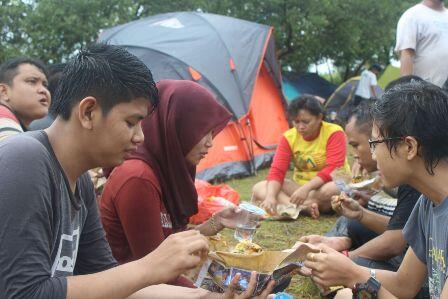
316,148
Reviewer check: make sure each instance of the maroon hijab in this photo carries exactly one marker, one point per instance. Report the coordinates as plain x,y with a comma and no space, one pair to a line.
186,113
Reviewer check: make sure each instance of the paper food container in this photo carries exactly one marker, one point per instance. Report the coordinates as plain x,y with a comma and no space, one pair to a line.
222,265
286,212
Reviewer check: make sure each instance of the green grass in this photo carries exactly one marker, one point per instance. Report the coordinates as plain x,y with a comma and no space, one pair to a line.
278,235
390,73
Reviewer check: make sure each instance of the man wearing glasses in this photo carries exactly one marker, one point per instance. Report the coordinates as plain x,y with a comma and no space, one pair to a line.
409,142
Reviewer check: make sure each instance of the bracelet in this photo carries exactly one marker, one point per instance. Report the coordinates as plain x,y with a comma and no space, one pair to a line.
373,273
213,224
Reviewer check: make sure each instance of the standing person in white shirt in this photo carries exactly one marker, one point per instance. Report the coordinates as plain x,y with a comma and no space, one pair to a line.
422,41
367,84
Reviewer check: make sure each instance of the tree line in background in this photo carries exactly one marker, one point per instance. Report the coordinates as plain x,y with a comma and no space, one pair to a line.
351,33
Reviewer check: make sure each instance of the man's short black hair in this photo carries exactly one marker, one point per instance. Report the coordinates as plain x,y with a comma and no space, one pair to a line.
54,75
9,69
402,80
306,102
109,73
376,67
418,109
363,117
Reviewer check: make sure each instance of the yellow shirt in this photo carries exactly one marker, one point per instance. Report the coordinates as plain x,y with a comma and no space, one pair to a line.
309,157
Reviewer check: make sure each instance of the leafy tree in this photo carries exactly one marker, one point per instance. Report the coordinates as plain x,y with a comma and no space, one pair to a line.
361,32
349,32
12,38
56,29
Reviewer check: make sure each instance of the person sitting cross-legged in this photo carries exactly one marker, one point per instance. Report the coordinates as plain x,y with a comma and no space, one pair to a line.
316,148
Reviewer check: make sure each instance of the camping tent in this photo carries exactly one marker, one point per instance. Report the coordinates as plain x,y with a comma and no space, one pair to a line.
233,59
340,103
311,83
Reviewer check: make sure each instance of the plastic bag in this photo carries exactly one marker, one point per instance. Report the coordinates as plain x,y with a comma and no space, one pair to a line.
212,199
342,179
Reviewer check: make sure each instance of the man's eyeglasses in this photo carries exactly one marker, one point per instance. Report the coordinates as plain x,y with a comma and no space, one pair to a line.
373,143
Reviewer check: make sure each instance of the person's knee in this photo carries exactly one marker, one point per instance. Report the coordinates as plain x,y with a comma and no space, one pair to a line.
325,195
259,189
327,191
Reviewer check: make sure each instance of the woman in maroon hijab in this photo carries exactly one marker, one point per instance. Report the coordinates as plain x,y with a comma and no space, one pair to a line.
152,194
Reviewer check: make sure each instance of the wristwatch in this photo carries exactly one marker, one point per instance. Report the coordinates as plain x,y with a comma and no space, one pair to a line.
368,290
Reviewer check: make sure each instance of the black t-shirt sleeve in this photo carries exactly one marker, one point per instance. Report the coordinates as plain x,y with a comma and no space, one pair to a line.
407,198
94,253
26,218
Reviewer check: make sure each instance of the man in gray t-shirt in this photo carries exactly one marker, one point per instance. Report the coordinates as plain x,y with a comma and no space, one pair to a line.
45,230
427,234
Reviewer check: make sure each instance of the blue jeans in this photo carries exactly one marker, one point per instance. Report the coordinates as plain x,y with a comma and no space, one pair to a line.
359,234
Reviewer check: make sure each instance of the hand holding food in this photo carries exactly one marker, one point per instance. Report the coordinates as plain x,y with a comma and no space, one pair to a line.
177,254
336,203
269,205
330,267
346,206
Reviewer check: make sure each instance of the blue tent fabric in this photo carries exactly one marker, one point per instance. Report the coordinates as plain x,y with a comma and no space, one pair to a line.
310,83
289,90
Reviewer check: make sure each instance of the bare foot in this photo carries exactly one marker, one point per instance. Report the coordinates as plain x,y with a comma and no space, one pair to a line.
314,211
310,210
337,243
